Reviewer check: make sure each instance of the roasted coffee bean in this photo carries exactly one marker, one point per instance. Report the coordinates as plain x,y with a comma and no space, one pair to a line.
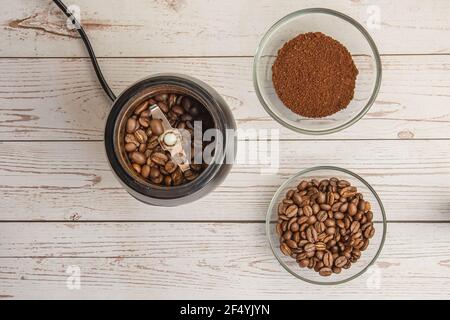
295,227
337,270
156,127
325,272
172,100
178,110
168,180
145,172
318,265
352,209
319,254
177,177
157,180
344,207
339,215
316,208
297,198
145,114
141,136
163,106
291,211
369,232
311,220
320,246
343,183
321,199
159,158
138,158
303,263
161,97
130,147
196,167
330,198
130,138
153,142
131,125
141,108
285,249
307,211
348,192
287,235
328,259
291,244
154,173
137,167
354,227
340,262
190,175
311,235
309,247
330,231
322,216
329,223
142,148
144,122
170,166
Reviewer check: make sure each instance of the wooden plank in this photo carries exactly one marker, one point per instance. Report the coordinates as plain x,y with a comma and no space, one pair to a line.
60,99
205,27
73,181
195,261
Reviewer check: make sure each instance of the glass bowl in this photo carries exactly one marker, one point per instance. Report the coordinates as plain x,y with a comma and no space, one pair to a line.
368,256
343,29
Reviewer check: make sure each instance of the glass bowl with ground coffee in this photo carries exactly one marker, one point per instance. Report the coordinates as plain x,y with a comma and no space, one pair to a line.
326,225
317,71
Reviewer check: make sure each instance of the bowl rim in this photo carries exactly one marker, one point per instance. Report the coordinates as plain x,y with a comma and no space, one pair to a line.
296,176
344,17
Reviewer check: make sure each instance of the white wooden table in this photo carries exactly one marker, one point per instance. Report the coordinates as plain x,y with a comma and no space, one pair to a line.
60,205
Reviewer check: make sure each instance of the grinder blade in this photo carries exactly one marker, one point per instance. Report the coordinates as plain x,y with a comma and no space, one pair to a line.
171,139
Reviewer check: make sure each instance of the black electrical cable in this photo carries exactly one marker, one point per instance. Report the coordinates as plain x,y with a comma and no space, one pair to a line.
89,48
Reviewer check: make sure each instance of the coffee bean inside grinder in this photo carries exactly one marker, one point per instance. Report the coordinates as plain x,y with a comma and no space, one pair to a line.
159,139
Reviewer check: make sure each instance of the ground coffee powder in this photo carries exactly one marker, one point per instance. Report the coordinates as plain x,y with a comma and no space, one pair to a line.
314,75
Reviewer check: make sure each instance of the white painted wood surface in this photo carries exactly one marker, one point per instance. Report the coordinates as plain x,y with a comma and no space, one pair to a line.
72,181
68,104
148,28
60,204
206,260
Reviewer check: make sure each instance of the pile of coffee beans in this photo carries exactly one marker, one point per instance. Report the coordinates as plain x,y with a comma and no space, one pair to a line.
146,155
324,225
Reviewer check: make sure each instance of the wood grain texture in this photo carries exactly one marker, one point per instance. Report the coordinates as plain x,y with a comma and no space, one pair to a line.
60,99
216,247
205,27
209,261
73,181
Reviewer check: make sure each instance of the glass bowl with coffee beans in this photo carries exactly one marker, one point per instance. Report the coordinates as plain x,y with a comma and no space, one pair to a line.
317,71
326,225
166,139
